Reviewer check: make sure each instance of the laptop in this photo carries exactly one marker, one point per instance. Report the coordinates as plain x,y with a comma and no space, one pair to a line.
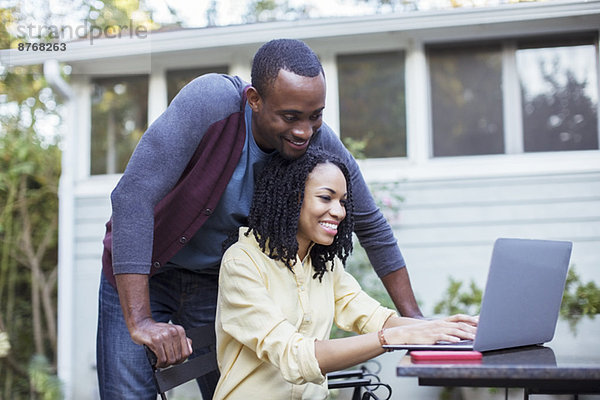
522,296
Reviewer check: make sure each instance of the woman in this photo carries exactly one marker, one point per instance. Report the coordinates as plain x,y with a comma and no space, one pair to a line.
283,284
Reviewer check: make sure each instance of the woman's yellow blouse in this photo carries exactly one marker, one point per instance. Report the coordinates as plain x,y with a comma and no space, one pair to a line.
268,319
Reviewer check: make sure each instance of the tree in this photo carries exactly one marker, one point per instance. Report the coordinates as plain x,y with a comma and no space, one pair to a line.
28,267
562,116
274,10
29,171
29,175
117,13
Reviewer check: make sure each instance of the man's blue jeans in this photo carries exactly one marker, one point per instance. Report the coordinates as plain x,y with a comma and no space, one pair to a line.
183,297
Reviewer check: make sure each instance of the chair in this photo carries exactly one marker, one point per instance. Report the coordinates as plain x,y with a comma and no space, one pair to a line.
363,381
165,379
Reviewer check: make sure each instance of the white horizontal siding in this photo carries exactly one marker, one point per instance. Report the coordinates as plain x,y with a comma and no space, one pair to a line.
515,189
512,211
447,228
89,230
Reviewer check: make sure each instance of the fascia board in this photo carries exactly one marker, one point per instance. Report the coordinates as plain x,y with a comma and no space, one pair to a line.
240,35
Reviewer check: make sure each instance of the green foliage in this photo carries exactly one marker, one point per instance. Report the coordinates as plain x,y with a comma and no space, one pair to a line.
389,200
6,19
43,380
118,13
274,10
579,299
356,147
29,171
456,301
4,344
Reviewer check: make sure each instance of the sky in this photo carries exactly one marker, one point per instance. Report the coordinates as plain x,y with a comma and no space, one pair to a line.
230,12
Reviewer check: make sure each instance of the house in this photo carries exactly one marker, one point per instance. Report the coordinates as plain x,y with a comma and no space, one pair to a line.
484,120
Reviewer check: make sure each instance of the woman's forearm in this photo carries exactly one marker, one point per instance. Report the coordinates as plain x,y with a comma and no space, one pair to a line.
338,354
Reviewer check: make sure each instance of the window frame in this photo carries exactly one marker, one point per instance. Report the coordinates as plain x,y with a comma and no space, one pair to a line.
92,82
198,70
511,90
420,163
363,55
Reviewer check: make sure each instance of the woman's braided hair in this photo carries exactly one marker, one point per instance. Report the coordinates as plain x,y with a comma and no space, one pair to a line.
275,210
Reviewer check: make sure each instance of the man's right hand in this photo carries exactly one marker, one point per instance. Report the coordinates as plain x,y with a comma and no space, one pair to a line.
167,341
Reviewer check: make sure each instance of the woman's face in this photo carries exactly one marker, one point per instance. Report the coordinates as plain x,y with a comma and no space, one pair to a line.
323,207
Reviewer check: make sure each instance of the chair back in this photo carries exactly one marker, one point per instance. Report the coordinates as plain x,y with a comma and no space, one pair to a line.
203,339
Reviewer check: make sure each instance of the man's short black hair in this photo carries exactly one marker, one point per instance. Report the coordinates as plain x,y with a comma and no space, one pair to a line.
287,54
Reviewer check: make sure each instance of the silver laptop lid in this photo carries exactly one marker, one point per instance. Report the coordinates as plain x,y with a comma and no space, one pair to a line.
522,297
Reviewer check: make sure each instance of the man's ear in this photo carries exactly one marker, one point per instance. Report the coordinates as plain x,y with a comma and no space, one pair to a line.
254,99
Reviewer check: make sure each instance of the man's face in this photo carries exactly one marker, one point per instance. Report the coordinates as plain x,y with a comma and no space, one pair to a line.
289,114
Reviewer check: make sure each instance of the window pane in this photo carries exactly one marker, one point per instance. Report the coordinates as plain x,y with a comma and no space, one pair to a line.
466,100
559,89
177,79
372,102
119,118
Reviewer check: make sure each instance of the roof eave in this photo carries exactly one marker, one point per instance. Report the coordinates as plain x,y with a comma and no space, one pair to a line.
240,35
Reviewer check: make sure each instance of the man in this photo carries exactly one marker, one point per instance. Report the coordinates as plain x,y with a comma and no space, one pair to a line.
189,183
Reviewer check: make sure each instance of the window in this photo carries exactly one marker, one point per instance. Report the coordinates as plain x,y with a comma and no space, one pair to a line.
466,100
559,96
177,79
555,105
372,102
119,118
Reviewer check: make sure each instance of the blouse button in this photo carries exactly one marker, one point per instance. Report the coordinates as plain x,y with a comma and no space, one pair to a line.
156,264
207,211
182,240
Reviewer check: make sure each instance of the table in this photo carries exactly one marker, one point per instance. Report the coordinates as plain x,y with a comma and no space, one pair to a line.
569,364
